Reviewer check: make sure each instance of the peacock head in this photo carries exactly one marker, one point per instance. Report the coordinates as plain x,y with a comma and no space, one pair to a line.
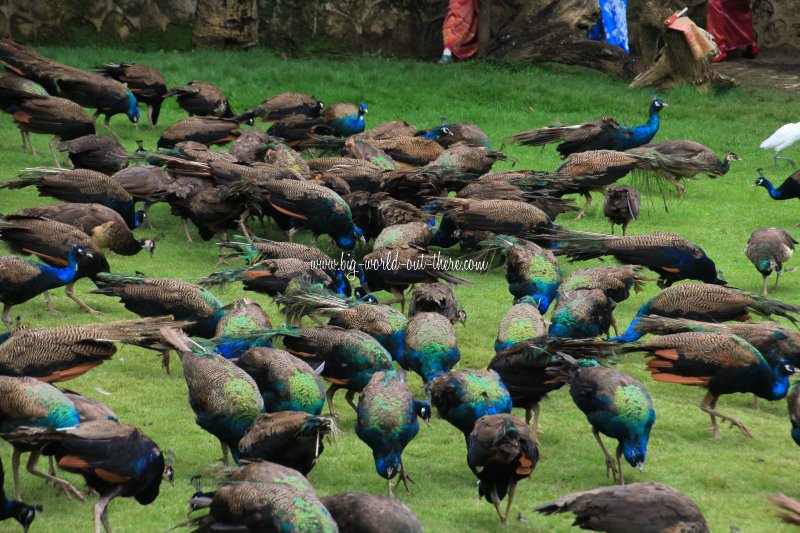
731,156
387,465
761,181
658,105
635,451
148,244
133,108
423,411
461,317
348,241
23,513
362,109
366,298
320,105
80,251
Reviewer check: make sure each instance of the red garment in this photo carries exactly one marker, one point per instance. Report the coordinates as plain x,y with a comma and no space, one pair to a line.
731,24
460,28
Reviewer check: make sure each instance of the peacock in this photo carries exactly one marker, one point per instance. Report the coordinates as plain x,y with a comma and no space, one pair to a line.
675,160
243,315
501,186
707,302
28,402
67,352
768,249
671,256
391,222
21,280
719,362
89,409
581,314
285,104
790,508
356,512
53,242
463,396
205,130
436,298
530,269
273,276
345,119
263,496
450,134
146,83
603,134
387,422
199,98
501,452
224,398
615,404
431,348
145,183
790,188
24,513
383,322
286,382
622,205
793,402
95,152
395,269
15,89
523,321
643,507
409,234
81,186
289,438
104,225
114,459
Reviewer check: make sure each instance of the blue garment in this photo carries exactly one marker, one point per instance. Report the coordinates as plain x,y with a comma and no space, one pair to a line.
612,26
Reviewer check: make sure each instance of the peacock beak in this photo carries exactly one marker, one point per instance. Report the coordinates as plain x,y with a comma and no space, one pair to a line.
640,466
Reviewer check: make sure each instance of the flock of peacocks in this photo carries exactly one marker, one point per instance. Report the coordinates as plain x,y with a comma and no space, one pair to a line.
259,384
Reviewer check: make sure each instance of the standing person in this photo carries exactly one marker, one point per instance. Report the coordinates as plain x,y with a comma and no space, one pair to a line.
460,30
731,24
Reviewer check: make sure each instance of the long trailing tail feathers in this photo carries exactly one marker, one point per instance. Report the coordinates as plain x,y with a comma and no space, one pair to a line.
790,508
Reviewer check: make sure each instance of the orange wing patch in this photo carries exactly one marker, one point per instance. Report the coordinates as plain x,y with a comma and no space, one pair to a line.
667,353
70,373
682,380
672,270
111,477
74,462
287,212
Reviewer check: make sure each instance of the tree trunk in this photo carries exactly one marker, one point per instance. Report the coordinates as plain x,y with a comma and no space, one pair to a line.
557,32
226,23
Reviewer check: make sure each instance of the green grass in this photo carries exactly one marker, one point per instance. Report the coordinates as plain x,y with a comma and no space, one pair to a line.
729,479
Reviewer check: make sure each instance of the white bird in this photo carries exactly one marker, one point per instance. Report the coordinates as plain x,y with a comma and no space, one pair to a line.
784,137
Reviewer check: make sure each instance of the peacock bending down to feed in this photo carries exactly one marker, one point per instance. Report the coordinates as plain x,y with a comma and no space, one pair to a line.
768,249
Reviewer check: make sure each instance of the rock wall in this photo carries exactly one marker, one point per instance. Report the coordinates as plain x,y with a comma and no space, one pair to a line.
403,28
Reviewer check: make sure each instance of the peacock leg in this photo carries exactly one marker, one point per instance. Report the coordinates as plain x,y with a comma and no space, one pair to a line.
624,228
107,125
681,188
225,452
756,403
15,455
86,309
349,397
63,484
512,488
610,465
165,355
537,411
612,228
582,212
389,487
291,233
48,304
186,231
764,288
100,516
243,226
313,241
496,502
329,396
777,279
709,406
614,325
150,117
146,210
619,463
224,236
777,157
53,143
6,318
404,476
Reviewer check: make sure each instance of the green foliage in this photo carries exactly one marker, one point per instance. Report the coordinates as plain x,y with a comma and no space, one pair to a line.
729,478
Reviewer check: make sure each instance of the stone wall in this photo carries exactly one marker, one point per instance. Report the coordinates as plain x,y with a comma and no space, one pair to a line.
404,28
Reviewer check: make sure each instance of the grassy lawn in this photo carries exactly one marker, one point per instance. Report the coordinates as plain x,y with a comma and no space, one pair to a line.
730,479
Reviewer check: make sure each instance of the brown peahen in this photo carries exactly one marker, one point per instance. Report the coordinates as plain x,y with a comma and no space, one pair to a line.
387,422
362,150
285,104
95,152
719,362
286,382
622,205
676,160
146,183
265,496
67,352
501,452
114,459
289,438
408,234
641,507
376,212
251,146
708,302
104,225
202,99
273,276
146,83
224,398
356,512
360,174
53,242
80,186
768,249
436,298
205,130
672,257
